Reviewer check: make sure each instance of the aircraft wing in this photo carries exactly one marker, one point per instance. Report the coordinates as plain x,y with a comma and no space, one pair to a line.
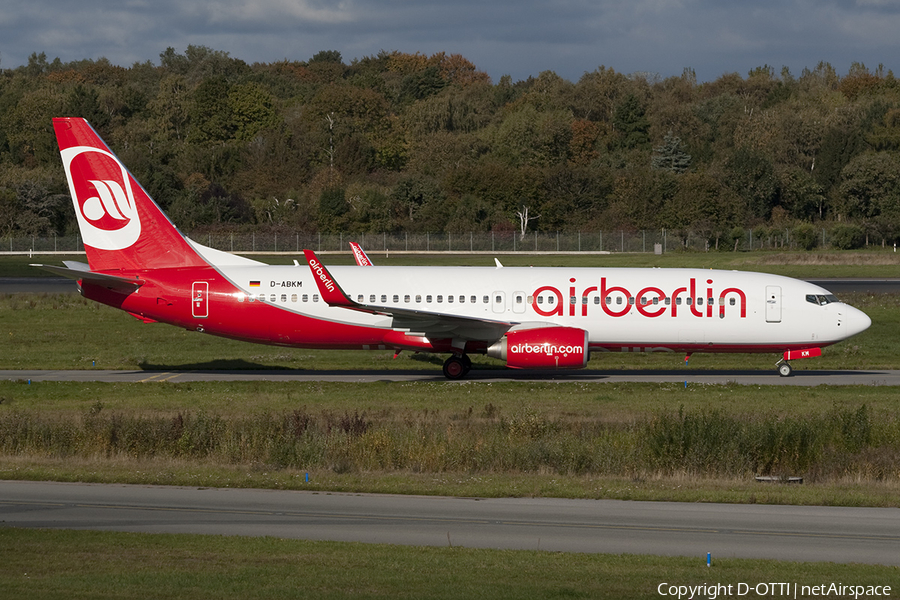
82,272
415,322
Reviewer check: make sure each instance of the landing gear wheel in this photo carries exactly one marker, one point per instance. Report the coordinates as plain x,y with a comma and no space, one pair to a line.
784,369
455,367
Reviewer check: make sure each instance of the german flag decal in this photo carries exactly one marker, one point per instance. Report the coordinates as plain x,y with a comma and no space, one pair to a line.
254,284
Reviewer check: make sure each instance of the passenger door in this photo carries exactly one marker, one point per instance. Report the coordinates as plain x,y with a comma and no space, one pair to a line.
773,304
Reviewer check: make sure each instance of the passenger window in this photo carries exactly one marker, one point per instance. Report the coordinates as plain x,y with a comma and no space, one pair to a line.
618,299
406,298
284,297
440,298
396,298
418,298
358,298
518,299
699,301
305,298
473,299
450,299
383,298
293,297
710,301
540,299
731,301
485,299
551,299
631,300
428,298
272,298
597,300
372,298
668,301
462,299
498,299
573,300
677,301
315,297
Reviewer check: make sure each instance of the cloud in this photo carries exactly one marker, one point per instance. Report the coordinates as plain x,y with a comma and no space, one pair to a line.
520,38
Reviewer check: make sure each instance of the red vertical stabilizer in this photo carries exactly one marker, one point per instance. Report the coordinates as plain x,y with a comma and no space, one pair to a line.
122,227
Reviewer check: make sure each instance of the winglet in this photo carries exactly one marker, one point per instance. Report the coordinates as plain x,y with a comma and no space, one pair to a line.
359,254
329,289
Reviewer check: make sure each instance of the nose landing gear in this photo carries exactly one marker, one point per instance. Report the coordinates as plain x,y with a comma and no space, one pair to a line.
784,369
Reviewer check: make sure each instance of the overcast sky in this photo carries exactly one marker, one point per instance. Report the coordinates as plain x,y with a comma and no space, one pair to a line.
502,37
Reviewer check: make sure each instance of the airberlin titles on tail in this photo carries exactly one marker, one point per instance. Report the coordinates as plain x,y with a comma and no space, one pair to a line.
140,263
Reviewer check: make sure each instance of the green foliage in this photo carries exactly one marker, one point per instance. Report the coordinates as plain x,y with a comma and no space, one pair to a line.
806,236
847,236
630,120
595,154
670,156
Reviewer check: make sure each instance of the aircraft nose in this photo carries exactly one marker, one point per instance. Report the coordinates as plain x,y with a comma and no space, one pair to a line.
855,321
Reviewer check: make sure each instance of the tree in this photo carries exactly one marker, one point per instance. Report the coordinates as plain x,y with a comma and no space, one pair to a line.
871,186
670,156
630,120
524,219
752,176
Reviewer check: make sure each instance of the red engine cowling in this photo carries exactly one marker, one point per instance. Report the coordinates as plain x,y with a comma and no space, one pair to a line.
543,348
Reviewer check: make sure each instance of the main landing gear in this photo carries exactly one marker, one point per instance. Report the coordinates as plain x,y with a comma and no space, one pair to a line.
457,366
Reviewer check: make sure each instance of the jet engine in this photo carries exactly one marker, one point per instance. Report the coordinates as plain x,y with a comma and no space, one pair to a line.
543,348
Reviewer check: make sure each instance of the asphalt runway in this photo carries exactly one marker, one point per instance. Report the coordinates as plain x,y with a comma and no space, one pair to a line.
686,376
796,533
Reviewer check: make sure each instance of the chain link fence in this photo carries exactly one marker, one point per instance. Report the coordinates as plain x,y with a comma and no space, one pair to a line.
657,241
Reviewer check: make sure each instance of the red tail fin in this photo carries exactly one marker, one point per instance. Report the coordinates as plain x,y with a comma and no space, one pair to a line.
121,225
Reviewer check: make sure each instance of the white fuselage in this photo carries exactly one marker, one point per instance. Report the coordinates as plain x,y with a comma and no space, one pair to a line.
621,309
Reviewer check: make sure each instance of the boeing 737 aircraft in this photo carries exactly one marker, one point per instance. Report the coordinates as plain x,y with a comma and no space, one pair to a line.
531,318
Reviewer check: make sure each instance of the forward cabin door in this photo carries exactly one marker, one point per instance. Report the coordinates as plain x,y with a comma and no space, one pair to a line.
773,304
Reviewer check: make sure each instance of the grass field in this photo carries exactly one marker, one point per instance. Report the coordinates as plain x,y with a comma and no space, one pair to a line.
629,441
620,441
48,565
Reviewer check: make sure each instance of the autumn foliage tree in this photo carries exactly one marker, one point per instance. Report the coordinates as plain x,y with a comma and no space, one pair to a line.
429,143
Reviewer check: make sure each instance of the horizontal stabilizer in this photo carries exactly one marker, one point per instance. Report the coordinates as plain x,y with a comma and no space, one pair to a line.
74,270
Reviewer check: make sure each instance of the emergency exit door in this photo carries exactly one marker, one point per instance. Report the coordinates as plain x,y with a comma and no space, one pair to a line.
200,299
773,304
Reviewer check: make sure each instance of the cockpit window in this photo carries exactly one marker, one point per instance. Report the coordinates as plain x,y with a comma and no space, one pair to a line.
821,299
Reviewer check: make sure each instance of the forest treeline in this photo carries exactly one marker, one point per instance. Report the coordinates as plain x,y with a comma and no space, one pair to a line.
410,142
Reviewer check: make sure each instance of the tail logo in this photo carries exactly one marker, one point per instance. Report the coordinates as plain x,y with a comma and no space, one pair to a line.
103,198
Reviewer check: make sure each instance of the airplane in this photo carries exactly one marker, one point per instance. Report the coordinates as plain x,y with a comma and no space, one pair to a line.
528,317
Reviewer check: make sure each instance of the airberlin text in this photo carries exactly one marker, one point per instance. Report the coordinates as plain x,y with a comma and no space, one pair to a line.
322,274
650,301
547,349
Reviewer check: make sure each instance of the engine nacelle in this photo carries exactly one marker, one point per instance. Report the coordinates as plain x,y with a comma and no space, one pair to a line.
543,348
